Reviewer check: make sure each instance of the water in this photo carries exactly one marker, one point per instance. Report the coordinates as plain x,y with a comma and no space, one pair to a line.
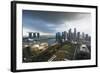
51,41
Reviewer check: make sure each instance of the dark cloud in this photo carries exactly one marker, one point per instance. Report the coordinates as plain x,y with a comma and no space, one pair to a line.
41,20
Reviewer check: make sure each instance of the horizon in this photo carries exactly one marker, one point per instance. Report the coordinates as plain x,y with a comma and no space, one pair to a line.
49,22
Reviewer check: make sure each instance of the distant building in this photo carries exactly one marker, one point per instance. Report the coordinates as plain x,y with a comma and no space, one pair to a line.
78,36
30,35
65,35
89,39
86,38
70,35
83,36
34,35
38,35
74,36
58,37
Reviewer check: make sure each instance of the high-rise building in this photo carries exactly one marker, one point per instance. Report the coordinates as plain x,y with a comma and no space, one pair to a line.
65,35
83,35
86,38
89,38
34,35
58,37
74,36
30,35
70,35
38,35
78,36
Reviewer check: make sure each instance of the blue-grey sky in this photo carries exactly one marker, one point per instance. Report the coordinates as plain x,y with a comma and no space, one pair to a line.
48,23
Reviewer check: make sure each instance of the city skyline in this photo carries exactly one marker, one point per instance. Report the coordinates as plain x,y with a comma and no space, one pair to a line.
48,23
66,35
74,33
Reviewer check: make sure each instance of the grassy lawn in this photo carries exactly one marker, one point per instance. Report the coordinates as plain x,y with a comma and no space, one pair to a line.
66,51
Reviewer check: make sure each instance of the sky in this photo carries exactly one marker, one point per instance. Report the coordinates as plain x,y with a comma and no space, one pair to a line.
49,22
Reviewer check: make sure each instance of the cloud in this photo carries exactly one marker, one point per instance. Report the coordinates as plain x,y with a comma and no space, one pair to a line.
51,22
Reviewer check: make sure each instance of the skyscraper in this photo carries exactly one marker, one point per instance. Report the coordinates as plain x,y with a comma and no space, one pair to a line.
89,38
70,35
58,37
62,36
38,35
30,35
34,35
86,38
78,36
74,36
83,36
65,35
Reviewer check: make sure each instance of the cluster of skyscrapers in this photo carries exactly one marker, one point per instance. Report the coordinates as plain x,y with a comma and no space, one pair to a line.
34,35
72,36
63,36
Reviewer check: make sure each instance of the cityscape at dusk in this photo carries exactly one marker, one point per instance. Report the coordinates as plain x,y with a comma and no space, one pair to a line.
56,36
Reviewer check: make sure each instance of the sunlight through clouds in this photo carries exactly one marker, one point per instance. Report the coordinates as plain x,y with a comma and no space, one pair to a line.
48,23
